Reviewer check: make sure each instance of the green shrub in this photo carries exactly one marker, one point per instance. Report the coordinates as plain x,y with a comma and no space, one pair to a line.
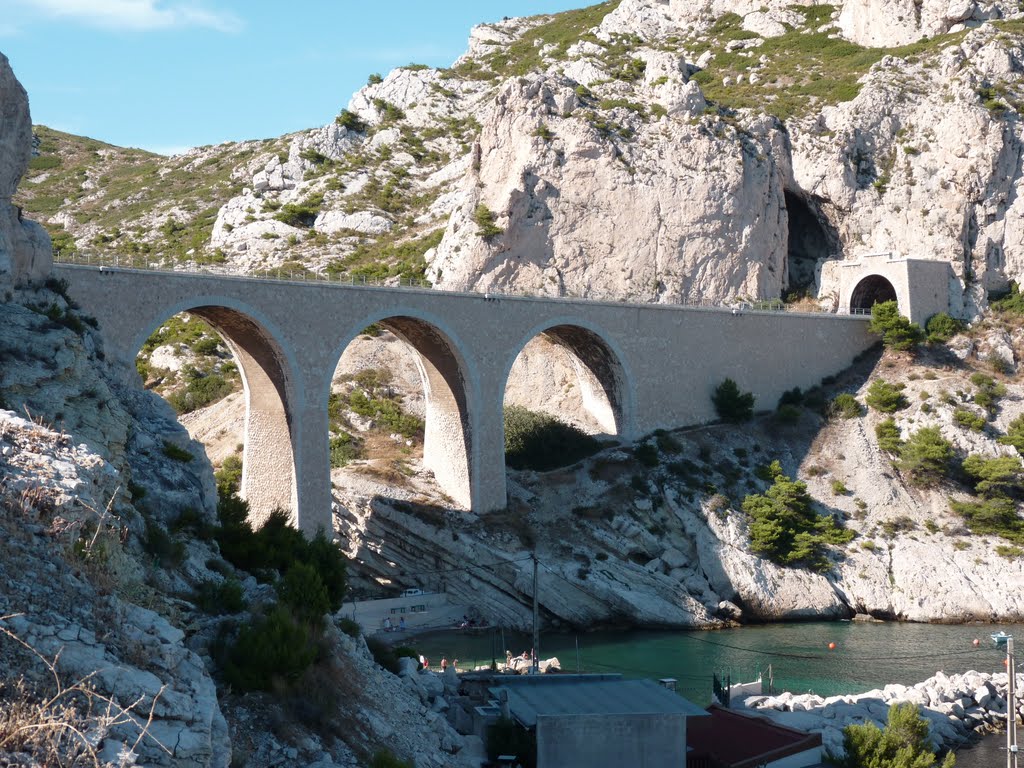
647,454
969,419
302,590
903,744
997,516
350,121
769,472
839,488
1009,552
167,552
941,328
787,414
270,647
484,218
785,528
229,476
897,332
926,457
386,759
989,391
374,79
885,397
200,390
388,657
1014,434
277,547
731,404
844,406
1000,476
889,439
302,214
791,397
349,627
172,451
668,444
542,442
217,597
344,448
543,132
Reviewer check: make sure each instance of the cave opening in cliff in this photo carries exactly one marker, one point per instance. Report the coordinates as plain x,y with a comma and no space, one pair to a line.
872,290
564,391
808,245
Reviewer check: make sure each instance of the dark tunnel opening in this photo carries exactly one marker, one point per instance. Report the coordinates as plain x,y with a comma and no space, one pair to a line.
808,246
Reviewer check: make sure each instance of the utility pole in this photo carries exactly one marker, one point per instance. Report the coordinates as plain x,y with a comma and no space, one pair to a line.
536,620
1011,707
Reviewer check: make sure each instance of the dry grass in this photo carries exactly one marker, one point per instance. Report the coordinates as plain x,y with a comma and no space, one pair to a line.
65,724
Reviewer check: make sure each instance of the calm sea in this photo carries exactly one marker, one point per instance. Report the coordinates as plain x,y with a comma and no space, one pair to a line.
865,656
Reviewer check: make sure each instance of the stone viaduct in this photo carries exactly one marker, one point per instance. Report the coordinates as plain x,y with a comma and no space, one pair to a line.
640,366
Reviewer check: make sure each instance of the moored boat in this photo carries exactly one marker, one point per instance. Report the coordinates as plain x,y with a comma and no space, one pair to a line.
1000,637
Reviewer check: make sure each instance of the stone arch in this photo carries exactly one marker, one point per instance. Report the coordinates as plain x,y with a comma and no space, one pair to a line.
871,290
601,375
268,463
442,365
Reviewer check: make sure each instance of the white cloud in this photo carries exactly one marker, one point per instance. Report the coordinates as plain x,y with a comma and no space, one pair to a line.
137,14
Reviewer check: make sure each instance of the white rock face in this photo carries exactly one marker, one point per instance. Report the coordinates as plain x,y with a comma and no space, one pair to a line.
25,251
547,195
364,221
886,23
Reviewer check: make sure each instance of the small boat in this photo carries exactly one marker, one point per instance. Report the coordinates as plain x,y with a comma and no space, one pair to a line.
1000,637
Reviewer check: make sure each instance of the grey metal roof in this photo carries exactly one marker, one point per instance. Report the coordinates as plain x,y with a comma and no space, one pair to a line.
597,697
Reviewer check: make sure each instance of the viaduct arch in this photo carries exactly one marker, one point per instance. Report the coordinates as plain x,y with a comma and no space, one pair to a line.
604,383
642,366
447,439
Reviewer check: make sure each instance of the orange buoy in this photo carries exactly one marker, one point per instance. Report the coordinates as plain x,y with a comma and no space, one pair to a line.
977,641
831,646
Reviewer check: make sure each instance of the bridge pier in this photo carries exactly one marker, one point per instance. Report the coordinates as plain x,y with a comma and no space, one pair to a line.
311,503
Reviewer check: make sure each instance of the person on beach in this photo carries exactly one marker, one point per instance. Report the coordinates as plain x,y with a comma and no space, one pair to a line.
387,623
444,665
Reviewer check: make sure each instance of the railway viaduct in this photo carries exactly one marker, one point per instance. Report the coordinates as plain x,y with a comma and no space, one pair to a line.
640,366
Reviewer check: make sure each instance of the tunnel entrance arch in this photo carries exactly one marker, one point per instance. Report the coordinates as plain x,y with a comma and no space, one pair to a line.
439,372
871,290
268,455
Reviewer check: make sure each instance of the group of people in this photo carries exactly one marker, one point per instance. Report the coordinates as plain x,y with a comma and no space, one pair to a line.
444,663
389,627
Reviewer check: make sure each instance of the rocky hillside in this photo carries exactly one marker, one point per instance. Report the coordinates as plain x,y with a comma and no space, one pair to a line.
730,149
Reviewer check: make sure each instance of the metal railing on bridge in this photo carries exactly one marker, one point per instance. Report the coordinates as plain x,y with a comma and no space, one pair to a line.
735,306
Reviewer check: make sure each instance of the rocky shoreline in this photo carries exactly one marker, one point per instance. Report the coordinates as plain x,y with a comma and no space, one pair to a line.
957,708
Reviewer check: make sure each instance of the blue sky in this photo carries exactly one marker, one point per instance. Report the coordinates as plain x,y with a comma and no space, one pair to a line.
169,74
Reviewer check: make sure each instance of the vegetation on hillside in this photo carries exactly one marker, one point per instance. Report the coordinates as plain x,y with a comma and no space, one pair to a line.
786,529
809,67
541,442
903,744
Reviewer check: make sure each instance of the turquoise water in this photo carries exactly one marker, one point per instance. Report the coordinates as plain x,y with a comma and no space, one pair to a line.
866,655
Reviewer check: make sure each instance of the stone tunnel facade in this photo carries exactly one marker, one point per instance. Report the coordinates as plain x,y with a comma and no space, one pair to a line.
640,367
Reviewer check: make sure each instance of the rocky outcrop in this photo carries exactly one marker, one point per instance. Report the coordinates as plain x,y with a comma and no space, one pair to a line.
552,184
25,254
953,706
